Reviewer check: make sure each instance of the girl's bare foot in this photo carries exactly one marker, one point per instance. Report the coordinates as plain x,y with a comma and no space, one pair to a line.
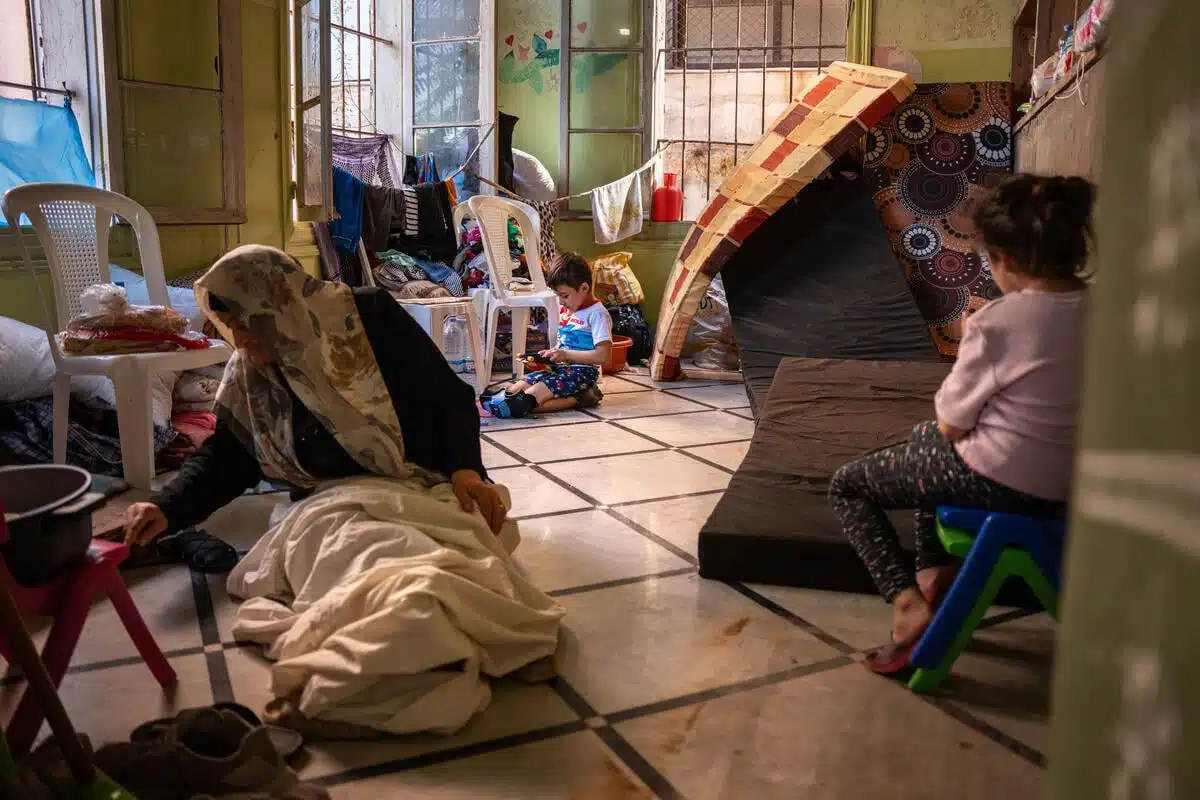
911,615
935,582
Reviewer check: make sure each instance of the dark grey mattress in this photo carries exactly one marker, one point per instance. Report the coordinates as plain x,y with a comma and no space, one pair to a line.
819,279
773,525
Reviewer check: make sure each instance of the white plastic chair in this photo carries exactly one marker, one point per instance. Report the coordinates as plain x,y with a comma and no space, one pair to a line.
493,214
431,313
72,224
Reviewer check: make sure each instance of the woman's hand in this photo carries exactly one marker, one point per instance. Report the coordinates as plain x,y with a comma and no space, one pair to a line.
473,491
143,523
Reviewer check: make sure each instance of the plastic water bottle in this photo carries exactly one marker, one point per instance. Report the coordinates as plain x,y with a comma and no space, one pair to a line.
456,344
1064,44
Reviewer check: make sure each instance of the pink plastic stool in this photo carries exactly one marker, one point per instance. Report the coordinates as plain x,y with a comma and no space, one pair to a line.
68,600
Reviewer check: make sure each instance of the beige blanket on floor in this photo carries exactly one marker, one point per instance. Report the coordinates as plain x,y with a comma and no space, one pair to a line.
388,606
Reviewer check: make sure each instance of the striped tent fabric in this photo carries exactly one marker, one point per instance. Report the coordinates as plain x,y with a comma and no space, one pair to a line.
815,130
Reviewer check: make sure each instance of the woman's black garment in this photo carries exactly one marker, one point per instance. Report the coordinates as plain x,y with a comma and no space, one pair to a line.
436,410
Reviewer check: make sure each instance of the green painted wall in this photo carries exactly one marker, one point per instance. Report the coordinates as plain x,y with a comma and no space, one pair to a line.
1126,719
946,40
172,59
527,47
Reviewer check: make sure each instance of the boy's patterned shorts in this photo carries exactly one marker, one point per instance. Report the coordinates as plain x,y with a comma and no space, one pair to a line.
566,381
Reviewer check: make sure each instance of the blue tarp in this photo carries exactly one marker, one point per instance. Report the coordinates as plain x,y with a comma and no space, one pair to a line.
40,142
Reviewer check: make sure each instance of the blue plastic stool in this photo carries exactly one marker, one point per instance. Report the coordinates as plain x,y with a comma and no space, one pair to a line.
994,547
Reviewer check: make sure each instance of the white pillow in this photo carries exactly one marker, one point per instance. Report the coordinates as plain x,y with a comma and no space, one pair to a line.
26,366
27,373
138,294
531,179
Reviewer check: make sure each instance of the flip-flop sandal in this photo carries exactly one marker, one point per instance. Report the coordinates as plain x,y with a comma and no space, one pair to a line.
200,551
891,659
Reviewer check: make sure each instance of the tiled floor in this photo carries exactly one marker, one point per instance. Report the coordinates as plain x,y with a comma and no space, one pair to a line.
671,685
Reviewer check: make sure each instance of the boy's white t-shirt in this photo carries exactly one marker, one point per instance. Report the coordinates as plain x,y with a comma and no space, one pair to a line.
585,328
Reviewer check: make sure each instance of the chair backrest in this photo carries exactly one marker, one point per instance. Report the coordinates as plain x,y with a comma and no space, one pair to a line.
72,223
493,214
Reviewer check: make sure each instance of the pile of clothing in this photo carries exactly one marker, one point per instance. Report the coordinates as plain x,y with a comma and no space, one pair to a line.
409,277
109,325
193,417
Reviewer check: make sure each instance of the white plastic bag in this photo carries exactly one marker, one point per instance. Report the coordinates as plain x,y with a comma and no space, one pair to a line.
710,341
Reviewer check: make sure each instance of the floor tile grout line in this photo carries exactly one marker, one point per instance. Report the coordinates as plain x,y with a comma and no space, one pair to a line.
666,544
796,672
459,753
619,582
808,627
964,716
638,764
680,496
218,668
1010,743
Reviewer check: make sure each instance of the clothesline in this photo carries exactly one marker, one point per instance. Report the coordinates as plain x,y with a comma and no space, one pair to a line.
578,195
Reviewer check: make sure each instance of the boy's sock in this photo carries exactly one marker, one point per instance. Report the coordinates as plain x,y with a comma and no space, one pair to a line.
514,407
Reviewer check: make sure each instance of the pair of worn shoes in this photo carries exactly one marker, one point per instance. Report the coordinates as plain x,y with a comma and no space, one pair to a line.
212,752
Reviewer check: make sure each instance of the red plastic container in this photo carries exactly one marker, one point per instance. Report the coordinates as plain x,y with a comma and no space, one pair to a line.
667,205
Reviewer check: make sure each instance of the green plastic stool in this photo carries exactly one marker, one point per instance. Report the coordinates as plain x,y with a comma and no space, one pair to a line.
1013,562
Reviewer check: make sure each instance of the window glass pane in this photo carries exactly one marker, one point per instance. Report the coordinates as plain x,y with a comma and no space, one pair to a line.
14,49
446,82
606,90
442,19
309,194
173,147
310,62
606,23
450,147
169,42
600,158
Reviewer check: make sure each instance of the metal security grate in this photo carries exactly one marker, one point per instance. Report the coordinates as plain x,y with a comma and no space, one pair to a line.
729,67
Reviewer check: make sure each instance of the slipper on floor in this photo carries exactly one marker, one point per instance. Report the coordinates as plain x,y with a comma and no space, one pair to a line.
891,659
285,741
199,550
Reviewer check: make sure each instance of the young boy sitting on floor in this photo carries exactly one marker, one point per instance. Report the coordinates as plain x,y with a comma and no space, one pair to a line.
584,345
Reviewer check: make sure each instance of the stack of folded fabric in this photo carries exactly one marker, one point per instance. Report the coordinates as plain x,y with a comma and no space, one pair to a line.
109,325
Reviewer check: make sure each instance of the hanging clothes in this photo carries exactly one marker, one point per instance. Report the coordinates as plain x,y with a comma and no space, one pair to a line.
547,212
434,239
617,209
348,192
420,169
382,209
336,265
366,158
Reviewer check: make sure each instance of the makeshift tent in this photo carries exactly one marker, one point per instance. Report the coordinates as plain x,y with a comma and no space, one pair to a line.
822,125
846,297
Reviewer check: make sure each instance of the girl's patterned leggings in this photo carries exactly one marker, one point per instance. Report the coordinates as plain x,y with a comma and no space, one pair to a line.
923,473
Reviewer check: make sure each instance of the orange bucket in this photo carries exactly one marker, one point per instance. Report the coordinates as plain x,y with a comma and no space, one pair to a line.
616,361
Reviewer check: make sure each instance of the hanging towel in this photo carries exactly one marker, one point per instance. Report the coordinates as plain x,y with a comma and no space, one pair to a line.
547,212
366,158
617,209
348,194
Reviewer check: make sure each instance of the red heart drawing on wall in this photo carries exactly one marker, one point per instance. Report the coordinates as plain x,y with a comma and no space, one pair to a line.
508,40
582,27
549,34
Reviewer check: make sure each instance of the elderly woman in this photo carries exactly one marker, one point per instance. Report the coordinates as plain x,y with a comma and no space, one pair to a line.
327,382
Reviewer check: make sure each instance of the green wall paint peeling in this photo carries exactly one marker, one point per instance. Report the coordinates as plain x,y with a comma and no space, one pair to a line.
946,40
